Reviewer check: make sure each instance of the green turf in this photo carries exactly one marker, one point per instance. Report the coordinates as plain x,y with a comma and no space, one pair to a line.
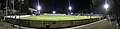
58,17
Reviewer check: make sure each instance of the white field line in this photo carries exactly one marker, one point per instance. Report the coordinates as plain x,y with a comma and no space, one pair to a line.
85,25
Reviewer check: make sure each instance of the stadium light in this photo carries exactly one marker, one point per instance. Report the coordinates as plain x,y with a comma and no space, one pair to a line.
106,6
54,12
70,8
39,7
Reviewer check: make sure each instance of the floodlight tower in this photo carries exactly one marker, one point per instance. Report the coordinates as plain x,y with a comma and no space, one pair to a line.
70,7
38,7
106,6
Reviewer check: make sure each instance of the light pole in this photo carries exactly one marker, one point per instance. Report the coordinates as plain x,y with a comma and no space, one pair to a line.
39,7
6,7
70,8
106,6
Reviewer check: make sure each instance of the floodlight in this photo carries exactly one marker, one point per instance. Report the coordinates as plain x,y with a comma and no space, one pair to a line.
39,7
54,12
70,8
106,6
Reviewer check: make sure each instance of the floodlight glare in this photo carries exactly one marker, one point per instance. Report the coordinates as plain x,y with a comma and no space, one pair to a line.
70,8
38,7
54,12
106,6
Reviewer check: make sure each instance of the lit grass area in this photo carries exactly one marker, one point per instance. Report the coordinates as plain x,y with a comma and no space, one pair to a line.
58,17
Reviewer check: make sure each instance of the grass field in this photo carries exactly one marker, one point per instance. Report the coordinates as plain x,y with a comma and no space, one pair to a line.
58,17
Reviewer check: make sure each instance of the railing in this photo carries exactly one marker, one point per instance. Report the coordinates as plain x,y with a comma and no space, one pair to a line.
51,24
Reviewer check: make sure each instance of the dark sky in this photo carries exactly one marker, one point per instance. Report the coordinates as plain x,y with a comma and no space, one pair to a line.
61,5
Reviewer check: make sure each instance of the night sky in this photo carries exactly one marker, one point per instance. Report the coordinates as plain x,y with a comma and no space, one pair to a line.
61,5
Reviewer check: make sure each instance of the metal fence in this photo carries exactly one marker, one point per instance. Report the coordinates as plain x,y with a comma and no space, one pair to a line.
50,24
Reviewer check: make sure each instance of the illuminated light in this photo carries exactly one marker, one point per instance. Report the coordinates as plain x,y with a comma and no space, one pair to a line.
39,7
54,12
106,6
70,8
